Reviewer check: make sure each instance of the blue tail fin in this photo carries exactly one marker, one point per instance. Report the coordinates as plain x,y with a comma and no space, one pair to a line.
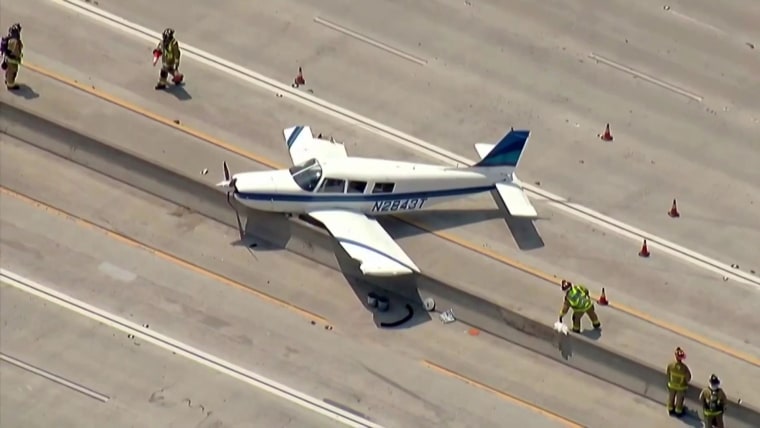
506,152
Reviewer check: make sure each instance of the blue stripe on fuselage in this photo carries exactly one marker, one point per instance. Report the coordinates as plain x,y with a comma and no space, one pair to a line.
294,135
343,197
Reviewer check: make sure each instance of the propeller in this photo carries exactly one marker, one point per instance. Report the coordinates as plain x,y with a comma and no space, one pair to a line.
229,183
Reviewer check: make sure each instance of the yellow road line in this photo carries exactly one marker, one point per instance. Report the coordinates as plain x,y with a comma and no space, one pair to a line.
448,237
502,394
161,254
150,115
620,307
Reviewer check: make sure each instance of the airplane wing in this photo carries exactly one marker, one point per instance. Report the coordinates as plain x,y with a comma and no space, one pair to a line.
365,240
303,146
515,200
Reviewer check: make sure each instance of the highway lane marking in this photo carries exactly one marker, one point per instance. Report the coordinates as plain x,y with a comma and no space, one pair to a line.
54,377
695,21
161,254
149,335
361,37
658,243
553,279
502,394
643,76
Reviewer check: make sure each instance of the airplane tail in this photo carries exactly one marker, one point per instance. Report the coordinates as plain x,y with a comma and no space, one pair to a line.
505,153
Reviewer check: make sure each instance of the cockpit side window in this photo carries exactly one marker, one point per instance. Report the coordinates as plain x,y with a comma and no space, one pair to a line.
357,186
333,185
383,187
307,174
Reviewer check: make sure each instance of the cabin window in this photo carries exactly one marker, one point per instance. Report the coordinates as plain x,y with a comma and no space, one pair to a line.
384,188
333,185
307,174
357,186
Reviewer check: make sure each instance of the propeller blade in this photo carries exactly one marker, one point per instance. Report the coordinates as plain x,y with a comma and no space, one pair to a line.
226,171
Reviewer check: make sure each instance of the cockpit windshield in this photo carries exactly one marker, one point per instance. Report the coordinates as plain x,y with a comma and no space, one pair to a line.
307,174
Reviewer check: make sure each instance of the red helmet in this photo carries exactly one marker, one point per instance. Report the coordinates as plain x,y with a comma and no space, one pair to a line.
680,354
566,285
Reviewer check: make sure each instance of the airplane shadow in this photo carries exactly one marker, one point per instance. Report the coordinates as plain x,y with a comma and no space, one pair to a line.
405,307
277,232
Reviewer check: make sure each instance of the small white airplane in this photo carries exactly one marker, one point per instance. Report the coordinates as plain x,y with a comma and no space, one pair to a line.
341,191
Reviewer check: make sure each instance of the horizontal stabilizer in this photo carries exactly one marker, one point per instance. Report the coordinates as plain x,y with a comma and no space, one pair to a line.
515,200
484,149
505,153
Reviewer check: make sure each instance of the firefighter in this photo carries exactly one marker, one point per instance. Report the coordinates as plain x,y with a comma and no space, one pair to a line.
679,377
713,401
168,50
12,54
577,297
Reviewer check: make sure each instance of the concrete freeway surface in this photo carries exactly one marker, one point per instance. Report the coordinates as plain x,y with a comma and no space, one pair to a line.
355,365
592,255
567,247
528,64
651,290
632,336
668,286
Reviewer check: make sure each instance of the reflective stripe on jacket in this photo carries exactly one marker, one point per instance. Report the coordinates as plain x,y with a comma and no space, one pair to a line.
712,402
15,51
578,298
169,54
679,376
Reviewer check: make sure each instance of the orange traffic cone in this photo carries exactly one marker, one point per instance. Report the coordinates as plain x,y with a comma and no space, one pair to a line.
674,210
644,250
299,80
606,136
603,299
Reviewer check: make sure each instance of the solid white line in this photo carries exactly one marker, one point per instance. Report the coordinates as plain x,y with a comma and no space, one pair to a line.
643,76
660,244
54,378
698,22
185,350
380,45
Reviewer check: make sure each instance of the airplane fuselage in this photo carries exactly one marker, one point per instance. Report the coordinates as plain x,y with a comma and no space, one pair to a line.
371,186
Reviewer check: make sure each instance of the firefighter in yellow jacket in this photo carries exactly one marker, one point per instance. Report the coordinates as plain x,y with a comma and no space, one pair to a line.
168,50
679,377
12,54
577,298
713,401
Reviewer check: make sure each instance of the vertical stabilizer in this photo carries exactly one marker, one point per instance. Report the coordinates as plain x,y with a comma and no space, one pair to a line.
506,152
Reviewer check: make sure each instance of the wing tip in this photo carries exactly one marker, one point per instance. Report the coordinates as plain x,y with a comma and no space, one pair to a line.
387,271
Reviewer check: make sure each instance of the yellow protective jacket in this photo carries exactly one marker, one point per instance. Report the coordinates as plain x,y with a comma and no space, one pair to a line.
169,54
15,48
577,298
679,376
713,402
